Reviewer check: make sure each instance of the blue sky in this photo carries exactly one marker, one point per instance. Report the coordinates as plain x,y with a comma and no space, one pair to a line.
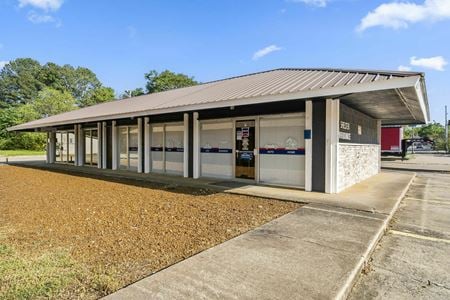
121,40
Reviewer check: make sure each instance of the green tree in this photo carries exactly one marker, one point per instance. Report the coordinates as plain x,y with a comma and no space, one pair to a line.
408,132
19,82
99,95
434,131
167,80
81,82
133,93
50,102
11,140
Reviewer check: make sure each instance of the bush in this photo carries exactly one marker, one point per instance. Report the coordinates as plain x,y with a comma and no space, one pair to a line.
25,141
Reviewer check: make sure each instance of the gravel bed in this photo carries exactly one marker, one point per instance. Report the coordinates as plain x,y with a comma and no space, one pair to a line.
119,229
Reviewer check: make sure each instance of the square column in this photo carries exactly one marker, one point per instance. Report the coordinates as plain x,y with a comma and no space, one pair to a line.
47,149
186,146
104,146
146,145
100,145
331,145
114,143
379,144
80,146
52,147
140,139
196,142
75,133
308,145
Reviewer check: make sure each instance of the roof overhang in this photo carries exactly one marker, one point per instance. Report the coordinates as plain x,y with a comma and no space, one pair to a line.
396,101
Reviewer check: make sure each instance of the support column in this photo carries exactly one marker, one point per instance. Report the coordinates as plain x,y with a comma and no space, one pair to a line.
82,146
379,144
331,145
308,145
47,150
104,146
114,145
75,133
52,147
186,146
146,145
140,139
100,145
196,154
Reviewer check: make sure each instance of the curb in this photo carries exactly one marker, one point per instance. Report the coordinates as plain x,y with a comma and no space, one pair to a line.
415,170
354,276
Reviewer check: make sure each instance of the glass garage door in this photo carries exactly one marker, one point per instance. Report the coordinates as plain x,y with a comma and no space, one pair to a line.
157,149
128,147
174,138
65,146
91,147
282,151
216,150
167,150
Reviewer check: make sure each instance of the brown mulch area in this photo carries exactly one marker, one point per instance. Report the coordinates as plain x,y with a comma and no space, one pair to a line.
115,226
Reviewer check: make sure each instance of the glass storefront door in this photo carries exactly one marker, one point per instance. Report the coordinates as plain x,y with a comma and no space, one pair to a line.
91,147
65,147
245,146
128,147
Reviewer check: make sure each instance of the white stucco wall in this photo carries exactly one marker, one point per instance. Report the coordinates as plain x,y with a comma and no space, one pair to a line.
356,162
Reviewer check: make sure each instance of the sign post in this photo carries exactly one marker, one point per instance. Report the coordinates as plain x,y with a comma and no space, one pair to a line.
446,130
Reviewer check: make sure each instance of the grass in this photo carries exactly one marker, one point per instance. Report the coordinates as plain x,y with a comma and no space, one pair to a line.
31,277
20,152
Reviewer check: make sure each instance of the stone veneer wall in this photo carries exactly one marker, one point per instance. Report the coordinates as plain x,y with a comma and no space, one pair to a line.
356,162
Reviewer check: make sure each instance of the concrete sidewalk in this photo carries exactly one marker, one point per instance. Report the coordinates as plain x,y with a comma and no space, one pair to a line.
375,194
314,252
412,259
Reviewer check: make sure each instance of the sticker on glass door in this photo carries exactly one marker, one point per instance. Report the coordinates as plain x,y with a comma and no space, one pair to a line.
245,146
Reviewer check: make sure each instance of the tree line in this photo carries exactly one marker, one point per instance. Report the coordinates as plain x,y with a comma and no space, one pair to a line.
434,131
30,91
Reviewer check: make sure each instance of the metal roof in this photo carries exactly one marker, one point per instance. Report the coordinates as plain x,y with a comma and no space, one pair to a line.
262,87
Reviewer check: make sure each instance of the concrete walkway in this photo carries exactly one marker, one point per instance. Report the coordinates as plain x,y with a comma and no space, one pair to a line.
418,162
375,194
412,260
314,252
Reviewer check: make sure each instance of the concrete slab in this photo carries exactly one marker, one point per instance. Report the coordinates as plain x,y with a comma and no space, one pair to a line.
314,252
411,261
419,162
425,217
376,194
407,268
310,253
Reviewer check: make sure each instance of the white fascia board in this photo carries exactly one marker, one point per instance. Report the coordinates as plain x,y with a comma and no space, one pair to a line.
396,83
421,97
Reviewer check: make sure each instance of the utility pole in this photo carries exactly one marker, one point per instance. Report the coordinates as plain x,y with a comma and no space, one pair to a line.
446,130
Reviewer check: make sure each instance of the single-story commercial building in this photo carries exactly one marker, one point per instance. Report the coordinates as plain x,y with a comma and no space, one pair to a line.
315,129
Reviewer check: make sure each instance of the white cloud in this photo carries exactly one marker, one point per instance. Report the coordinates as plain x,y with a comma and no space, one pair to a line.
318,3
399,15
3,63
265,51
42,4
436,63
36,18
404,68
